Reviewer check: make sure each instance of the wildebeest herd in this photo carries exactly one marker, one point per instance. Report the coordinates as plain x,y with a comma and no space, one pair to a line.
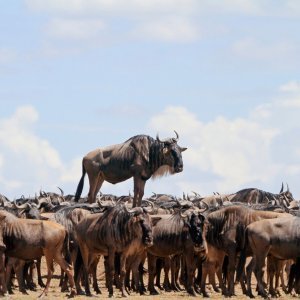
192,239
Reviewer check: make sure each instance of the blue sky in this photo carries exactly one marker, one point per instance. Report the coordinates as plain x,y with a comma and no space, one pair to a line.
77,75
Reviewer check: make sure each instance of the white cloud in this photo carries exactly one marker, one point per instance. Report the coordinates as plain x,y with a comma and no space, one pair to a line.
170,29
75,29
27,160
236,151
292,86
229,154
251,48
72,171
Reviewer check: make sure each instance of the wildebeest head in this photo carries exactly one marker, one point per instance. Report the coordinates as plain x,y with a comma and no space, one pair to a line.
172,153
195,222
142,225
286,196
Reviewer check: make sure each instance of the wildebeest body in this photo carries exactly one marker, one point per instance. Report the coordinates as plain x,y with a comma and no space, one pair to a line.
140,157
30,239
117,230
277,237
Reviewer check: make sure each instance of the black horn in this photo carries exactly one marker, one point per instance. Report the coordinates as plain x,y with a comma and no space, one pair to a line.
177,136
61,191
281,188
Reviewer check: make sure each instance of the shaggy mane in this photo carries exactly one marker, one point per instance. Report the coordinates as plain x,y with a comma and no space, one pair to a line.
162,171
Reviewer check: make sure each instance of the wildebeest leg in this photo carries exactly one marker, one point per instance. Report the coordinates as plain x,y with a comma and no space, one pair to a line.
82,257
259,271
19,270
122,274
50,270
29,278
167,267
175,266
151,271
231,270
159,265
111,271
189,257
141,273
93,269
38,270
138,186
249,270
67,269
2,271
95,181
271,273
8,273
206,265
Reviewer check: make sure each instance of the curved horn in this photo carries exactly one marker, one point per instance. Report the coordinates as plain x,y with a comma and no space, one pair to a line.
184,216
61,191
205,208
151,204
196,194
287,186
161,141
177,136
24,206
136,210
281,188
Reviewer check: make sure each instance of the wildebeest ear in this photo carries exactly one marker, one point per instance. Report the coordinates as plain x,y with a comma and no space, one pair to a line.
154,220
182,149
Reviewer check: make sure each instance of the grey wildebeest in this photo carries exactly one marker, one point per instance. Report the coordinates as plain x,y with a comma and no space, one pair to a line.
174,235
115,231
140,157
31,239
277,237
252,196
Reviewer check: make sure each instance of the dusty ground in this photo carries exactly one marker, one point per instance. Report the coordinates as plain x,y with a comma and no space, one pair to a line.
54,291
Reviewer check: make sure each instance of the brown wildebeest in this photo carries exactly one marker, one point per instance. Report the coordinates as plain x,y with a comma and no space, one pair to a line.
117,230
140,157
30,239
226,231
277,237
174,235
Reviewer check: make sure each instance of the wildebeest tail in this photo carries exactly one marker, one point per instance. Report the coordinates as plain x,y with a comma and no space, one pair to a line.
242,259
80,184
78,265
66,248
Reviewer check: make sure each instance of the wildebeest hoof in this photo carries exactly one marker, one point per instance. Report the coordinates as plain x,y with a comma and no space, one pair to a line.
111,295
192,292
154,292
72,294
206,294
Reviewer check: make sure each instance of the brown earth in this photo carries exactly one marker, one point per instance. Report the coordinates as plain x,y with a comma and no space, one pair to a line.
54,291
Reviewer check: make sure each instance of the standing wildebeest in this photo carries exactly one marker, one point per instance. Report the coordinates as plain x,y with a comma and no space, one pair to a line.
139,157
174,235
31,239
226,232
116,231
277,237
